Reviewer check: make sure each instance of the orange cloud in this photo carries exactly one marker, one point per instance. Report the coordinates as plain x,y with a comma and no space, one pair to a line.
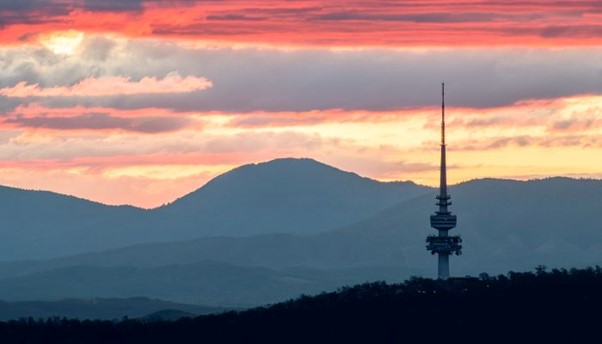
37,110
309,118
111,85
529,138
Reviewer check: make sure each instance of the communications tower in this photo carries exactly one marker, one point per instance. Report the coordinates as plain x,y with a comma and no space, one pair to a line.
443,220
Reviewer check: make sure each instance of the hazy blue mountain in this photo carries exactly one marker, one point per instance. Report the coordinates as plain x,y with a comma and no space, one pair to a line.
106,309
299,196
40,223
505,225
202,283
294,196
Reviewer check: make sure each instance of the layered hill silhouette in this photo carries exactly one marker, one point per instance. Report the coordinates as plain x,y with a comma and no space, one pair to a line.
204,283
294,196
103,309
39,223
298,196
506,225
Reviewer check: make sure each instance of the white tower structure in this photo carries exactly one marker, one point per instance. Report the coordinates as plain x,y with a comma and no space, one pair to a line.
443,220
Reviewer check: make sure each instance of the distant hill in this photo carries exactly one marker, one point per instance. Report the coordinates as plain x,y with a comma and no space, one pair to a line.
105,309
341,229
506,225
300,196
204,283
293,196
167,315
37,224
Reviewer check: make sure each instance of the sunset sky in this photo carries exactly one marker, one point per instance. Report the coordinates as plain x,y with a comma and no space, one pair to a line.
142,101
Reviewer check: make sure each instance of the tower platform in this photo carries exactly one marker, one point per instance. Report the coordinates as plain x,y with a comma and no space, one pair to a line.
444,244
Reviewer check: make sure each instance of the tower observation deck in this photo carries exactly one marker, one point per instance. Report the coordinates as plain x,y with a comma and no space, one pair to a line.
443,220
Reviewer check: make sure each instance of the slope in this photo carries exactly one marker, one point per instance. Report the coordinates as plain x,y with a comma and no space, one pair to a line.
505,225
97,308
294,196
281,196
202,283
37,224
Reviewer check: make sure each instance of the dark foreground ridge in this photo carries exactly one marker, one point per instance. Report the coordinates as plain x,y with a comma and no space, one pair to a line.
553,306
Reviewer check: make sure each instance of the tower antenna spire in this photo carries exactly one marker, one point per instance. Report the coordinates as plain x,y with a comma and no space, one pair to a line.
443,114
443,220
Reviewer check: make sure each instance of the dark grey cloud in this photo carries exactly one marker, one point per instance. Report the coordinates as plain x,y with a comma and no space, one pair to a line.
440,17
573,124
113,5
284,12
247,80
8,105
236,17
202,29
499,142
551,141
99,121
25,5
47,11
379,80
485,122
574,31
256,13
98,48
31,11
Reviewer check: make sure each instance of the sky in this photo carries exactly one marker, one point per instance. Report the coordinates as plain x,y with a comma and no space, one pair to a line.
143,101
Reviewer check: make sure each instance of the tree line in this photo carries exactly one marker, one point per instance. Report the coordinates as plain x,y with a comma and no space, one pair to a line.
557,305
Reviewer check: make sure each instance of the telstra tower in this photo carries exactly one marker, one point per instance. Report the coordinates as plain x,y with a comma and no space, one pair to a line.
443,220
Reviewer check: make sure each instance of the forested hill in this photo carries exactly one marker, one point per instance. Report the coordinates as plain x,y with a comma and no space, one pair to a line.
543,306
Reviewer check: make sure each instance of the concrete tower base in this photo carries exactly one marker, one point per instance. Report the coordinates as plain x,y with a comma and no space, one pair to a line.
443,272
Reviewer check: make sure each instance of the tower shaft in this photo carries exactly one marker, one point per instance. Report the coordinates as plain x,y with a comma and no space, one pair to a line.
443,220
443,266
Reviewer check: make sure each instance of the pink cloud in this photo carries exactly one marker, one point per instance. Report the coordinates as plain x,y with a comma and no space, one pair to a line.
110,86
307,118
319,22
102,121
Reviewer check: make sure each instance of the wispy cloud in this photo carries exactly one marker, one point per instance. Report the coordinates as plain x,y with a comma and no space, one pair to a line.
272,80
101,121
110,86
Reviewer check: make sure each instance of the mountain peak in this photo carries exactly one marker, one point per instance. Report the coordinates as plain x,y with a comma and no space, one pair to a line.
279,194
279,176
294,165
292,161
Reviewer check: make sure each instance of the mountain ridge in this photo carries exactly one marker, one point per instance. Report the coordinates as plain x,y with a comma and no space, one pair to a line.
379,228
101,308
299,196
506,225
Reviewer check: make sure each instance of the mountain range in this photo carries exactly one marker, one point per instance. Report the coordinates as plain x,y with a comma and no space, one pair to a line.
103,309
293,196
266,232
